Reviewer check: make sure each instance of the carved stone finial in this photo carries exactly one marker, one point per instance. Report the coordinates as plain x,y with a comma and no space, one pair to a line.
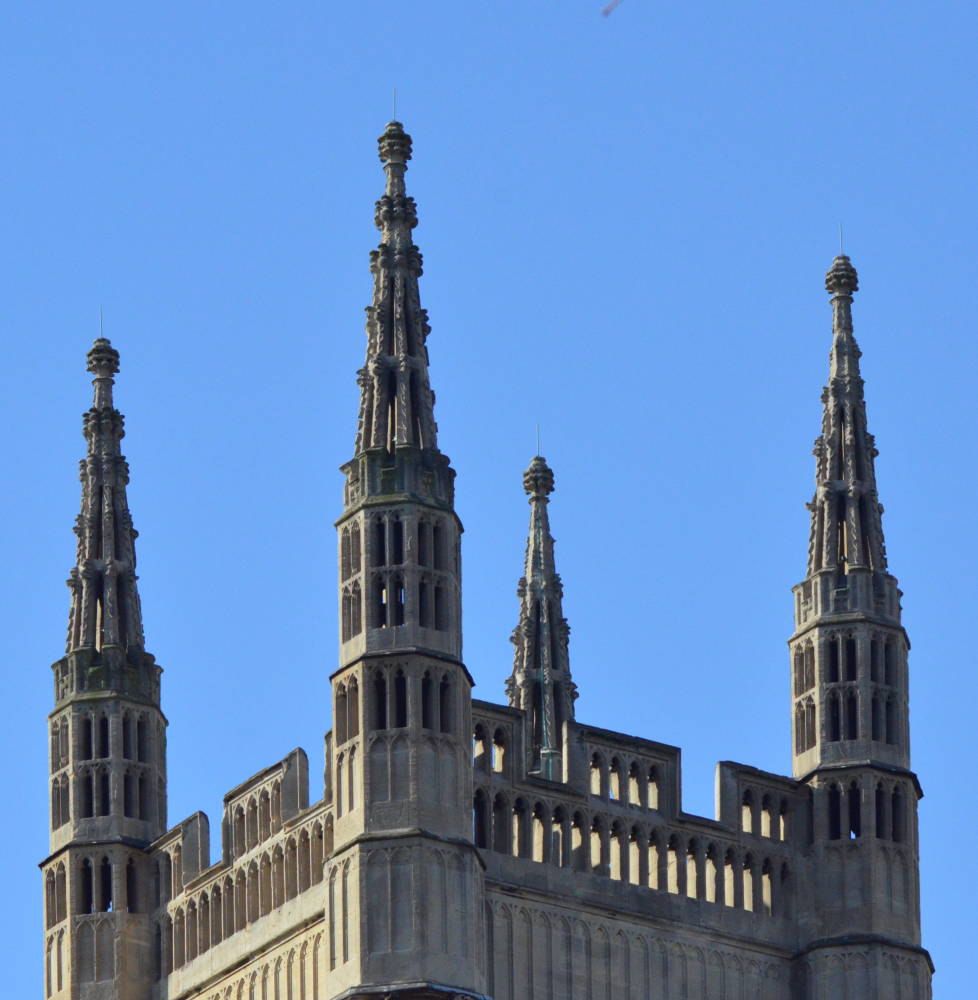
103,359
395,144
841,278
538,480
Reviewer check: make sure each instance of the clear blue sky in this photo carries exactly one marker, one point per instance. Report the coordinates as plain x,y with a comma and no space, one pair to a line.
625,222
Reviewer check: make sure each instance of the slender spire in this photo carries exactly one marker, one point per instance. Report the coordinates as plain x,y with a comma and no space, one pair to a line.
105,610
540,683
396,401
846,532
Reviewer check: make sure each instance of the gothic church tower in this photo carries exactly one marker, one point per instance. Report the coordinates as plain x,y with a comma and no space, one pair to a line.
850,681
402,724
107,739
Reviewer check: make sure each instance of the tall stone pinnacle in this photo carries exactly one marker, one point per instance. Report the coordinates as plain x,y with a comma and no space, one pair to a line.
105,609
540,683
846,527
396,401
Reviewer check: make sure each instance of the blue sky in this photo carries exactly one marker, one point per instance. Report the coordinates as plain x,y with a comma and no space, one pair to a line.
625,223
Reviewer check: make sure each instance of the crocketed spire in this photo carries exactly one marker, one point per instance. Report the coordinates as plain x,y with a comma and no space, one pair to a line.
540,683
105,610
846,528
396,401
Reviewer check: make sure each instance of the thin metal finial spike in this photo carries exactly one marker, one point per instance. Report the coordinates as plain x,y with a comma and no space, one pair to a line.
394,105
538,439
101,325
842,251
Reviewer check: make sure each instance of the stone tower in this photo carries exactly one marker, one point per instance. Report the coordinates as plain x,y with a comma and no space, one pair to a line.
404,863
107,738
540,684
849,687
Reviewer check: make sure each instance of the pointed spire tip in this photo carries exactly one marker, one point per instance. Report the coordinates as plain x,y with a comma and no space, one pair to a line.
538,480
841,278
103,359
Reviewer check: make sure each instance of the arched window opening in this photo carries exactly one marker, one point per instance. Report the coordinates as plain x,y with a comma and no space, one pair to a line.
480,753
191,943
179,939
654,862
710,875
809,666
353,710
833,664
800,740
855,811
87,738
176,870
229,921
536,719
424,604
767,889
103,736
747,812
596,854
380,542
264,816
578,844
380,700
850,659
634,788
500,826
891,720
614,780
397,596
60,894
424,542
355,548
729,879
240,844
835,813
874,659
252,823
559,854
841,514
672,866
50,905
899,817
104,793
397,541
520,830
217,915
427,702
810,723
652,788
438,546
87,795
346,612
417,424
356,609
783,820
340,714
799,671
748,883
445,704
692,872
889,663
852,716
835,718
538,834
205,923
880,804
105,902
240,901
346,563
128,796
784,904
499,752
480,819
265,886
441,609
278,877
392,410
351,779
876,722
400,700
86,894
618,853
767,817
142,740
595,774
127,736
253,900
